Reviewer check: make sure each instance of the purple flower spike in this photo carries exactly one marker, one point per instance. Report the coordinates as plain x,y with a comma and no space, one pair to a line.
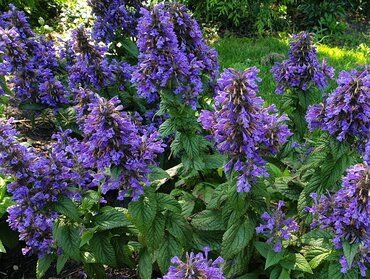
277,227
346,213
196,266
302,69
173,54
242,128
345,113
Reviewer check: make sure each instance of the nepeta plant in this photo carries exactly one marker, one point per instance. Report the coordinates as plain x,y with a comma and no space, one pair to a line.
303,68
114,18
173,55
347,213
116,142
277,227
90,68
195,266
345,113
242,128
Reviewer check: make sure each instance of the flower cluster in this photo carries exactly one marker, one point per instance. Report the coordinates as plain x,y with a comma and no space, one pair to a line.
277,227
30,62
196,266
91,68
39,180
114,18
345,113
242,128
303,67
347,213
116,142
173,54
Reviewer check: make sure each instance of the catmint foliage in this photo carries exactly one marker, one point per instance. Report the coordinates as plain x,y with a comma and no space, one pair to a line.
173,55
195,266
117,143
114,18
345,113
242,128
346,213
277,227
303,68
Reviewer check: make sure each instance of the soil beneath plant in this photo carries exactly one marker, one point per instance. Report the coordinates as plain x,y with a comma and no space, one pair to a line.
13,265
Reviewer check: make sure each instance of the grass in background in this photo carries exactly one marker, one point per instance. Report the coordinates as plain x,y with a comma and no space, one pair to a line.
242,53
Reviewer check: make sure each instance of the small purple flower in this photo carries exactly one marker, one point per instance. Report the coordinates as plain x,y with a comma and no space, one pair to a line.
196,266
277,227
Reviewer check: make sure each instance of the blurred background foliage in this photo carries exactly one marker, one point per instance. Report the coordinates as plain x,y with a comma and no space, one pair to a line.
338,22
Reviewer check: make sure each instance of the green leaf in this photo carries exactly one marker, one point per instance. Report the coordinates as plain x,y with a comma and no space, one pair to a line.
263,248
208,220
115,172
168,249
43,265
102,249
90,198
61,261
237,237
284,274
155,232
145,264
143,212
167,128
214,161
2,248
32,107
87,235
157,173
178,227
316,261
111,218
67,207
67,237
272,258
302,264
350,251
95,271
168,202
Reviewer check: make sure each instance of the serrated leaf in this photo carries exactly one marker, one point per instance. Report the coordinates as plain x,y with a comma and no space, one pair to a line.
67,237
67,207
61,261
143,212
272,258
208,220
157,173
178,227
214,161
111,218
350,251
169,248
87,235
302,264
102,249
166,201
43,265
237,237
316,261
155,232
90,198
95,271
167,128
145,264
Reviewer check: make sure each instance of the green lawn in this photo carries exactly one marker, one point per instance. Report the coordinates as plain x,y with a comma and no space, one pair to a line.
241,53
